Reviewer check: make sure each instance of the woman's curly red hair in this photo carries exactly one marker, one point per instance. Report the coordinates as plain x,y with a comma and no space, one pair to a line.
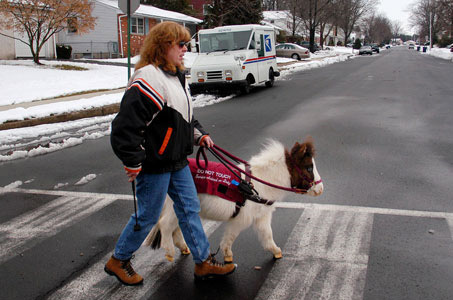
159,39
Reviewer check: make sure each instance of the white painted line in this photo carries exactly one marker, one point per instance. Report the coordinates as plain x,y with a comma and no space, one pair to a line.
27,230
325,257
363,209
94,283
68,193
295,205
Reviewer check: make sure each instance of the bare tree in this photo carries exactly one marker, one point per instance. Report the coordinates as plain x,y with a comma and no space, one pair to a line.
40,19
312,12
327,22
350,12
426,15
396,28
446,16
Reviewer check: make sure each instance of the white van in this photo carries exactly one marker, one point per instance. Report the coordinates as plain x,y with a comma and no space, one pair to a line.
234,58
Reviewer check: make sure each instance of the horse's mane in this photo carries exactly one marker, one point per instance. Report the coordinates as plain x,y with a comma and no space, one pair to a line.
272,152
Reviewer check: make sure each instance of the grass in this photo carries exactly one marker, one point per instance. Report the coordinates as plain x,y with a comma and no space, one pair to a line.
69,68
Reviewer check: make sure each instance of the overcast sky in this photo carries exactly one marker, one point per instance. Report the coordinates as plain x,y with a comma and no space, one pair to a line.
397,10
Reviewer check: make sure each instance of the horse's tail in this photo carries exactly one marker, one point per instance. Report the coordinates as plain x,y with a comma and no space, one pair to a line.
154,238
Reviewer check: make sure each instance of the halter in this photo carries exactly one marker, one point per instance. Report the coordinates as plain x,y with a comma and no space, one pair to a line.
299,171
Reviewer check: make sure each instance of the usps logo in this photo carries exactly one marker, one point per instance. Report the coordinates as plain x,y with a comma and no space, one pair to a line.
267,42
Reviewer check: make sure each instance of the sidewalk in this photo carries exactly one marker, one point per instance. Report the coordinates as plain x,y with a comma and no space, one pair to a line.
88,113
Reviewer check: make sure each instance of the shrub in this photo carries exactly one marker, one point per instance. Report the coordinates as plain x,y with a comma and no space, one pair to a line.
357,44
63,51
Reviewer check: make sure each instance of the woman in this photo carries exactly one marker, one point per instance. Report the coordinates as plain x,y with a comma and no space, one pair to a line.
153,134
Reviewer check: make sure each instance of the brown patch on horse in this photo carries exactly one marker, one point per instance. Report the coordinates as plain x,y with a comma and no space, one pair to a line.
301,155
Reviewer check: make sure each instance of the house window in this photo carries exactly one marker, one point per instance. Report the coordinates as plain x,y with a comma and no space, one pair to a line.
72,25
137,25
205,9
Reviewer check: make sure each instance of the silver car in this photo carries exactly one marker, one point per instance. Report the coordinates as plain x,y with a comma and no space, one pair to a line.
292,50
366,50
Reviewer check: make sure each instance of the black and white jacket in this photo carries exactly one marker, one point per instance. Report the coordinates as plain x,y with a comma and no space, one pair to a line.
155,130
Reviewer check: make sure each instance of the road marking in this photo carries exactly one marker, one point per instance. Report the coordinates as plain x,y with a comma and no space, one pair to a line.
295,205
27,230
325,257
94,283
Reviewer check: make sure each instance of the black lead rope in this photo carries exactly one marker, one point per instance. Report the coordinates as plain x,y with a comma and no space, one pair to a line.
136,226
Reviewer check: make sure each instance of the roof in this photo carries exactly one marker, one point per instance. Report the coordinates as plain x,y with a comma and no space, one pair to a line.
233,28
154,12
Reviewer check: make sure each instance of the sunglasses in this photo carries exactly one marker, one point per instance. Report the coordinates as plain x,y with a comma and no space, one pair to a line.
182,44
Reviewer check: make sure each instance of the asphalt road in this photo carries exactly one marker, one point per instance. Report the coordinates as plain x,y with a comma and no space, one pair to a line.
382,229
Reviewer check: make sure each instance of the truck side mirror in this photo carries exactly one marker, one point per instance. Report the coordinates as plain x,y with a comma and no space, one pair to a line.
193,45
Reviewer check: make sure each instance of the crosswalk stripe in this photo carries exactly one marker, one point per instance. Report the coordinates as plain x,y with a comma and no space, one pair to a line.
27,230
94,283
327,251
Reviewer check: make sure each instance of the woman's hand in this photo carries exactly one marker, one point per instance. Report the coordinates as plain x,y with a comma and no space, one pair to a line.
131,175
207,142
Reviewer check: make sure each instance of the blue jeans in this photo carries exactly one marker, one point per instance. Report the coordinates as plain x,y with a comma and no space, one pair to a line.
151,192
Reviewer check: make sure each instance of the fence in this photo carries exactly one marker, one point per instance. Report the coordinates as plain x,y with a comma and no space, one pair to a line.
95,50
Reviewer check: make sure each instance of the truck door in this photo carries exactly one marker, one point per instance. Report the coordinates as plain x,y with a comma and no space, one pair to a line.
265,50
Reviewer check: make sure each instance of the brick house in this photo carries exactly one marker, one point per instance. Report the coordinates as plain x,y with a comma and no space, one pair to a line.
200,6
109,37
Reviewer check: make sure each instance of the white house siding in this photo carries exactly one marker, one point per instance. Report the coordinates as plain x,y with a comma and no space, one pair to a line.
7,46
23,50
102,40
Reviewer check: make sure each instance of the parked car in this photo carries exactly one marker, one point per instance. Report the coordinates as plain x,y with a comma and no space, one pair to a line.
292,50
411,46
375,48
306,44
365,50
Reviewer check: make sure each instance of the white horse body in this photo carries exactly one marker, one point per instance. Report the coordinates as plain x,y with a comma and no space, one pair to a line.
269,165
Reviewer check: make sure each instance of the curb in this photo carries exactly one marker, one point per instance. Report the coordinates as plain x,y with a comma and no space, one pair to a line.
72,116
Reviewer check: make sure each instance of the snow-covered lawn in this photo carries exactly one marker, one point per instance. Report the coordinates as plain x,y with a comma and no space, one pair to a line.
23,81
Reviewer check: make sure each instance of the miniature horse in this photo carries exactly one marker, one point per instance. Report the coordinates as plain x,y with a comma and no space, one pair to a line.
273,164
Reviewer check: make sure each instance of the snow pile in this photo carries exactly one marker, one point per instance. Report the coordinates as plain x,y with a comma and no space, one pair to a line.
86,179
14,185
443,53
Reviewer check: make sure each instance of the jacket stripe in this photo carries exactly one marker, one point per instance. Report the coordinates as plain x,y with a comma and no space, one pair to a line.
166,140
148,91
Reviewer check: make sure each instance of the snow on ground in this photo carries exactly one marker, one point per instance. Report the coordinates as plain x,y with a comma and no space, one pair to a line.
48,82
23,81
443,53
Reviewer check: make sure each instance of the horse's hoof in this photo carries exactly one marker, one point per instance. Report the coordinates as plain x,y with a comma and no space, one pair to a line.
228,259
169,258
185,251
278,256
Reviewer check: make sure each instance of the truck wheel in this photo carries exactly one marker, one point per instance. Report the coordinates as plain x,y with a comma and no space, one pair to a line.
246,88
295,56
270,83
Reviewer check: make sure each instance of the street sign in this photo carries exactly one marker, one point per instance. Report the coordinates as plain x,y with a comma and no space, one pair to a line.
122,4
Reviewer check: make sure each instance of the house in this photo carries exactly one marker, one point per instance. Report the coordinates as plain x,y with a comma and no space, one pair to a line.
282,20
13,48
109,37
200,7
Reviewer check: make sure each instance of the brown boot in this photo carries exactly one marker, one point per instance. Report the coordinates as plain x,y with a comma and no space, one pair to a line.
211,268
123,271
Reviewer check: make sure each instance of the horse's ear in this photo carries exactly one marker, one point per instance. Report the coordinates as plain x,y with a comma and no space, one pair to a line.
309,142
298,149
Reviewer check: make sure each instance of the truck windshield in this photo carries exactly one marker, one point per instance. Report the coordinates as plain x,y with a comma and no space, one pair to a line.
224,41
